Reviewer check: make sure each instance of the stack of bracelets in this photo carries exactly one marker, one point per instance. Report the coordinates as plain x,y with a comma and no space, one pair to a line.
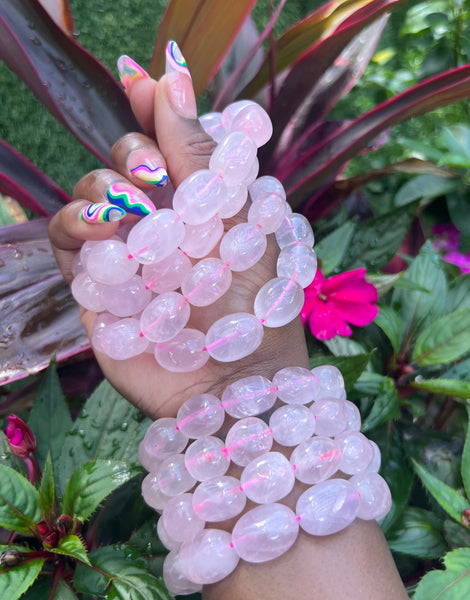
143,282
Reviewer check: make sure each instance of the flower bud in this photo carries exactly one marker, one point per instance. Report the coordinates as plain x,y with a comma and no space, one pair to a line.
21,439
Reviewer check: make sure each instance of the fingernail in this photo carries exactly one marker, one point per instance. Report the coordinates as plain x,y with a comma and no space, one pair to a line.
132,201
175,60
146,165
180,87
129,70
102,213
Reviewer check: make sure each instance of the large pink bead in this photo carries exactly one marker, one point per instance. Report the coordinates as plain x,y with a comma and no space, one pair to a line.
175,581
331,382
167,274
266,185
234,336
128,298
374,465
296,385
205,458
252,173
248,439
233,158
294,228
156,236
255,122
219,499
108,262
328,507
267,212
183,353
209,557
278,302
237,196
212,125
207,281
242,246
173,477
331,416
199,197
298,262
357,452
201,239
375,498
122,339
87,292
248,397
200,416
179,519
152,494
268,478
265,532
149,462
292,424
164,317
165,538
162,439
354,416
316,459
231,111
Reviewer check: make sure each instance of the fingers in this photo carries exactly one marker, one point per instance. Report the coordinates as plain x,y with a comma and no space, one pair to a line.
139,159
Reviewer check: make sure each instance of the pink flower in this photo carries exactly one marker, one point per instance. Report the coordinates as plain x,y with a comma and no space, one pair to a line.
446,241
21,439
330,304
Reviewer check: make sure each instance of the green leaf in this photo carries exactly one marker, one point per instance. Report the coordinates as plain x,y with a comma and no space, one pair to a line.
92,482
456,535
458,296
72,545
350,366
6,457
390,323
41,590
447,387
14,581
19,502
419,533
466,457
445,340
424,186
332,248
451,584
385,397
46,489
451,501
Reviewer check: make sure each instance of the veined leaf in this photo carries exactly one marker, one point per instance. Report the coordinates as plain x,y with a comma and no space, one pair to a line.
386,402
19,502
446,387
72,545
46,489
14,581
390,323
419,533
332,248
451,584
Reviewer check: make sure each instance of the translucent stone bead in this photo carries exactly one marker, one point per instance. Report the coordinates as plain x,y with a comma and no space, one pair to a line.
331,416
101,322
87,292
152,493
296,385
248,397
200,416
173,478
183,353
331,382
205,458
85,251
126,299
219,499
209,557
292,424
234,336
156,236
149,462
294,228
77,265
328,507
233,158
108,262
278,302
248,439
162,439
164,317
374,465
207,281
166,539
255,122
266,185
242,246
212,125
252,173
199,240
354,416
180,521
122,339
298,262
265,532
268,478
357,452
174,579
167,274
267,212
199,197
316,459
375,498
236,199
231,111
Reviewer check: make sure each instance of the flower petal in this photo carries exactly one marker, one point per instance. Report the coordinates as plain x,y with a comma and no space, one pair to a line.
325,323
356,313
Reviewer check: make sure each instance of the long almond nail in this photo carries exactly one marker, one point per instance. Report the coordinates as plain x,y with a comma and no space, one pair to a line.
102,213
146,165
175,60
132,201
129,70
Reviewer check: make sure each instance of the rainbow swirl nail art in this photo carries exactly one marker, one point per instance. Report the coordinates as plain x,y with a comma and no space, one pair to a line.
132,202
157,176
175,60
102,213
129,70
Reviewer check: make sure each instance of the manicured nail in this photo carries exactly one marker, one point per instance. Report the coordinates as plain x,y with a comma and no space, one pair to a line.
129,70
146,165
102,213
180,87
132,201
175,60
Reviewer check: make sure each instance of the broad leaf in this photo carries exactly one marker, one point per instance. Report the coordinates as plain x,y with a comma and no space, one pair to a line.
14,581
41,590
425,186
72,545
446,387
386,400
46,489
332,248
458,297
351,367
451,584
390,323
466,458
19,502
418,533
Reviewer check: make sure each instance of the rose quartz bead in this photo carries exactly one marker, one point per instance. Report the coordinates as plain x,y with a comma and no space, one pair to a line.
162,439
126,299
199,197
180,521
231,111
265,532
85,251
292,424
183,353
248,397
252,173
357,452
205,458
156,236
328,507
122,339
149,462
152,494
266,185
354,416
219,499
200,416
212,125
173,478
296,385
233,158
375,499
267,212
294,228
268,478
278,302
234,336
374,465
237,196
255,122
164,317
199,240
331,416
331,382
166,539
209,557
77,265
167,274
88,293
174,579
108,262
242,246
207,281
316,459
248,439
298,262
